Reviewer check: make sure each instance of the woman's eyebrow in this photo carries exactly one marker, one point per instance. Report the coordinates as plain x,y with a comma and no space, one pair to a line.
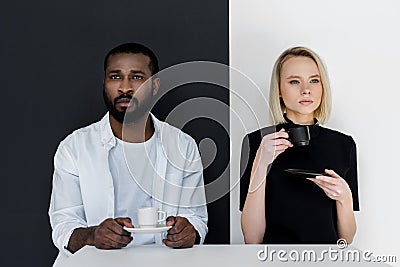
299,77
293,76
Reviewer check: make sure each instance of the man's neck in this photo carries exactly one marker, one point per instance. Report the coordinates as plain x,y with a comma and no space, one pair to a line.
137,132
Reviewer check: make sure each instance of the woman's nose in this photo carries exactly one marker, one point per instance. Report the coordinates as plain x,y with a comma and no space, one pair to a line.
305,91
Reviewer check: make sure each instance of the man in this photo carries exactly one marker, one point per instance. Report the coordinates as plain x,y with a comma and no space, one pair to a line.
128,160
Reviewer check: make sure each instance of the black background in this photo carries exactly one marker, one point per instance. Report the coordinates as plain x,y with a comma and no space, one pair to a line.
51,64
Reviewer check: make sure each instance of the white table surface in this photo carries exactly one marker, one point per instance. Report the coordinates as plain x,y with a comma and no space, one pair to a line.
163,256
204,256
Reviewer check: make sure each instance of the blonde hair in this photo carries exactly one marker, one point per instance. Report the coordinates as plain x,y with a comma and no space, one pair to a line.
276,103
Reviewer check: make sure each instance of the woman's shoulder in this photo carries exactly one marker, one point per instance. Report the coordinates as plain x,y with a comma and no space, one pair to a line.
259,133
336,135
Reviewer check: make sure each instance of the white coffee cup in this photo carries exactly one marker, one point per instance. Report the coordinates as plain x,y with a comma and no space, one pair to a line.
149,217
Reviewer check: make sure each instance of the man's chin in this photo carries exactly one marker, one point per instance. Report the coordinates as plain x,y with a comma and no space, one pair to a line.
121,109
128,115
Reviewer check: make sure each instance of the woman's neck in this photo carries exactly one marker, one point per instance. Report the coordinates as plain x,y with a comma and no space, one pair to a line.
301,119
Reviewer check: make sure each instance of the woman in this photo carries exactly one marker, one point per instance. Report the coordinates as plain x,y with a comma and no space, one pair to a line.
283,208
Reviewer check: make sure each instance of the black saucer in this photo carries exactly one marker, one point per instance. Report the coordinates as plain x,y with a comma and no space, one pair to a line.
305,173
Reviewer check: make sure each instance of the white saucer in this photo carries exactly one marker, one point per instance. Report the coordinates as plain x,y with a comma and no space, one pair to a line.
153,230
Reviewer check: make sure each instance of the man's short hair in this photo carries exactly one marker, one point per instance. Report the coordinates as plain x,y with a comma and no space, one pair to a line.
134,48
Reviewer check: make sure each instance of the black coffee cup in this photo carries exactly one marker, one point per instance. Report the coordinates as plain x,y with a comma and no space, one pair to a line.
299,136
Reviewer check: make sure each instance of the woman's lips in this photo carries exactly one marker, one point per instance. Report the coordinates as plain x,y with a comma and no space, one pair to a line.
306,102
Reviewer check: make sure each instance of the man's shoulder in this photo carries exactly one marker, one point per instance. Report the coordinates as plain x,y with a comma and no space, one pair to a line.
84,134
172,133
179,148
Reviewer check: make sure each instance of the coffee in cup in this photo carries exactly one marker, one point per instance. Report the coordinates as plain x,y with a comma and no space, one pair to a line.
149,217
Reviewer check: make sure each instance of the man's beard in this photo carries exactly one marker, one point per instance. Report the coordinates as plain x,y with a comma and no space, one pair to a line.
133,116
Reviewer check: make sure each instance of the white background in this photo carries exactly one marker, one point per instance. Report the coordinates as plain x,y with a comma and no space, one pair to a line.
359,43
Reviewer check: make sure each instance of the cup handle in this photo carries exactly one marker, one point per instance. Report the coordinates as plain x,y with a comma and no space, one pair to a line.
288,132
163,217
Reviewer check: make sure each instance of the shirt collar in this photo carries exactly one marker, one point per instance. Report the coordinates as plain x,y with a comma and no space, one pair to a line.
107,135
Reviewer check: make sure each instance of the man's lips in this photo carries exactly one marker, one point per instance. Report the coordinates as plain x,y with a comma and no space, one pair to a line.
123,102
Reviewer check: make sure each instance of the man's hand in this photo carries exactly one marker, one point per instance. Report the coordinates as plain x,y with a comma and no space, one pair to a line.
108,235
181,235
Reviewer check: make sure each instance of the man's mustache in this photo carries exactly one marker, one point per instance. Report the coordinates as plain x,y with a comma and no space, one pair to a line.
125,98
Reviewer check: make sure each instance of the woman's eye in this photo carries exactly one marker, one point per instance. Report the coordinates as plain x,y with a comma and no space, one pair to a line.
314,81
294,82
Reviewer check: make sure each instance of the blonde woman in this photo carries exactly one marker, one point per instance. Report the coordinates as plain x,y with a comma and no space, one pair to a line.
279,207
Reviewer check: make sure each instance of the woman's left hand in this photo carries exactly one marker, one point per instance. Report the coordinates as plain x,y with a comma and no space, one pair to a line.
334,186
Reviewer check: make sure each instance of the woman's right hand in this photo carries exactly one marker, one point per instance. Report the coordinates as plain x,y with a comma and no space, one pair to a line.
272,145
253,215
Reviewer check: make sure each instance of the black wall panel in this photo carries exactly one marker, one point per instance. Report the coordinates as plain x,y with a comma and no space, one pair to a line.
51,56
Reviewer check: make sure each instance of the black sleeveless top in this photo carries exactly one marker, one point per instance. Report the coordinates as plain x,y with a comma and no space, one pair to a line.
298,211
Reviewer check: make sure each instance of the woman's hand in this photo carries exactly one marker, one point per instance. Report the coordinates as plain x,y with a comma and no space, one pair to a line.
334,186
272,145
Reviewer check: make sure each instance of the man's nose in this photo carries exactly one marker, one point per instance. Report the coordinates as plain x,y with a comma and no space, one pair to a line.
125,87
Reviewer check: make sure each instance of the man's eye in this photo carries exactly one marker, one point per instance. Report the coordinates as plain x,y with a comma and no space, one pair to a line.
314,81
294,82
114,77
137,77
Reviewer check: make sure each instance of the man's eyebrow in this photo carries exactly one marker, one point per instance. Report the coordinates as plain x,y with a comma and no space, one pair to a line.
132,71
137,72
114,71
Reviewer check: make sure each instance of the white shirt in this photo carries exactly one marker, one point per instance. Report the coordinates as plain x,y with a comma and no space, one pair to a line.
133,183
83,191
